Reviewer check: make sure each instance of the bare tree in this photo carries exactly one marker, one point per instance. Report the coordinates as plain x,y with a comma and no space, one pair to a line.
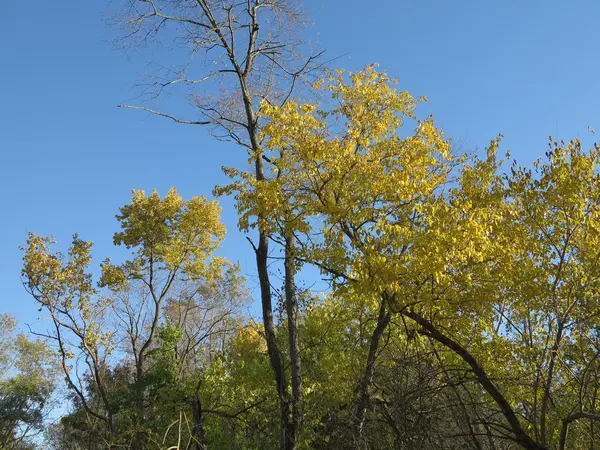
251,52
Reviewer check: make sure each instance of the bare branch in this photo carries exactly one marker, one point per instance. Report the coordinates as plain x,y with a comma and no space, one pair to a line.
158,113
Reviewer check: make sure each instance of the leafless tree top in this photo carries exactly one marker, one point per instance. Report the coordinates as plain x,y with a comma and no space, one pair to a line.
238,53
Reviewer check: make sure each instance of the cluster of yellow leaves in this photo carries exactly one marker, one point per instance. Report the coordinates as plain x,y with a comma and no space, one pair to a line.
65,287
59,283
509,259
348,169
171,233
381,200
249,339
167,235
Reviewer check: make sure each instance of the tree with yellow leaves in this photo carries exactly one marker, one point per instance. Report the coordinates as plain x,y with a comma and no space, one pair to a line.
350,190
404,223
172,264
253,53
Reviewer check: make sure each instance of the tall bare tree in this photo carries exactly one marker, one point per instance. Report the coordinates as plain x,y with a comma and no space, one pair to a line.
250,52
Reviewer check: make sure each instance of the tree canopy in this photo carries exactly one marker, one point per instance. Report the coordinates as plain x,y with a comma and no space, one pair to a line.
412,295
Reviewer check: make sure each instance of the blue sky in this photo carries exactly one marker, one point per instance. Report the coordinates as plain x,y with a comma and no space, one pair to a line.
70,157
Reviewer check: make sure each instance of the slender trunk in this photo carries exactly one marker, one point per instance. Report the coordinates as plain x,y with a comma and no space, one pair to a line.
111,436
272,349
521,437
139,405
291,303
198,423
548,385
364,385
262,255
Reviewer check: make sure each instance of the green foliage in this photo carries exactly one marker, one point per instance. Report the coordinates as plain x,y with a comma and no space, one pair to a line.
27,380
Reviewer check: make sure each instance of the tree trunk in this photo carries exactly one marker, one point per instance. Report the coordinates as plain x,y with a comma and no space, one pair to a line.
198,423
364,385
138,442
262,256
262,252
548,385
291,303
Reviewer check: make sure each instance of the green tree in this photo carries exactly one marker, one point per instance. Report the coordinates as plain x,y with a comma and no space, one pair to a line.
27,381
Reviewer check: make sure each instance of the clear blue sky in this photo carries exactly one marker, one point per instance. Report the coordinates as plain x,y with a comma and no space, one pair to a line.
70,158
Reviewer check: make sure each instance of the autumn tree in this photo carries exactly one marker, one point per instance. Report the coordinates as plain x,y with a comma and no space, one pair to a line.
404,222
483,263
167,284
549,307
340,174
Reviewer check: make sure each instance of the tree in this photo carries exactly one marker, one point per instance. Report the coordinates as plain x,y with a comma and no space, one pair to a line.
481,262
343,174
556,275
395,228
172,269
252,56
27,381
